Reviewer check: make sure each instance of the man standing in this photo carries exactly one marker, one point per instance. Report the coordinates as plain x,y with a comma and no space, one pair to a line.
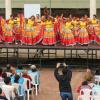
64,80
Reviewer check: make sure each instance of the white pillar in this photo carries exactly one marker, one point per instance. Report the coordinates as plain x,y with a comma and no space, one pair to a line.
92,8
8,9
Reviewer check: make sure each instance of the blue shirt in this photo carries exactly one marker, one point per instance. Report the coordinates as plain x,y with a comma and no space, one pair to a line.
20,81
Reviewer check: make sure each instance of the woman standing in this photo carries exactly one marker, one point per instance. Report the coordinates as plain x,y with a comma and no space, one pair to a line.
64,80
67,37
83,33
49,37
8,30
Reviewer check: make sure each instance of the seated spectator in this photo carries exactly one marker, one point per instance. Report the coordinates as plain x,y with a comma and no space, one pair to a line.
13,70
16,80
8,70
8,89
2,97
19,69
25,75
4,75
89,77
19,88
84,85
35,75
20,81
33,69
88,74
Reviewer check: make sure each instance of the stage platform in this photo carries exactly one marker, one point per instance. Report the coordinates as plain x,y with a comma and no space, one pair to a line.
44,53
61,47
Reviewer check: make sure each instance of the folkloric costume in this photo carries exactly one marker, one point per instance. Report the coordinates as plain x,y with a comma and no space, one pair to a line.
75,29
83,33
91,30
8,31
17,29
67,37
1,30
97,32
49,37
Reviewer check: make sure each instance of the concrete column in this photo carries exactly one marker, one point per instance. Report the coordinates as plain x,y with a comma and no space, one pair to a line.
92,8
8,9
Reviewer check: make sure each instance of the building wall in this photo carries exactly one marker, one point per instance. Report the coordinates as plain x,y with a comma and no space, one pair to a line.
54,3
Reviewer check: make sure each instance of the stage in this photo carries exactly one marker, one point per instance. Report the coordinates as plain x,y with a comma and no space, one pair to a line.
41,53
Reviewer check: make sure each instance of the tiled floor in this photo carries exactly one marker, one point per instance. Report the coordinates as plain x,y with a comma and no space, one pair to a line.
49,86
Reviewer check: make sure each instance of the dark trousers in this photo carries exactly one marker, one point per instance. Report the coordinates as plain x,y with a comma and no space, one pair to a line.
66,95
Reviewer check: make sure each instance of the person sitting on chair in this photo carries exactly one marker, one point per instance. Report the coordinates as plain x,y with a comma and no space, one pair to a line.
2,97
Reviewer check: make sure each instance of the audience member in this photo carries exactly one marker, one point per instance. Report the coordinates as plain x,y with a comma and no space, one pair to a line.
8,89
34,72
19,69
89,77
2,97
4,75
84,85
35,75
25,75
8,71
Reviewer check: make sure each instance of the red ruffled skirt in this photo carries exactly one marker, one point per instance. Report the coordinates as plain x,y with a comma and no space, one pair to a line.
49,37
83,37
8,37
67,38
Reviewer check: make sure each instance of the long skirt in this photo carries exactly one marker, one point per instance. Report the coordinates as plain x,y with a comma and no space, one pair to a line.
76,34
83,36
49,37
37,34
1,33
67,37
91,32
17,32
8,36
23,37
97,33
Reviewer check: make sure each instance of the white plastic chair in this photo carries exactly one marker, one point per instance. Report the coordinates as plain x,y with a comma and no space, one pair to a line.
97,79
96,93
8,91
26,88
35,81
85,94
1,83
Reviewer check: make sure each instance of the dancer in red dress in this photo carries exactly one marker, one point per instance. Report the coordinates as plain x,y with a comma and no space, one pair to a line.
49,37
91,29
83,33
8,30
67,37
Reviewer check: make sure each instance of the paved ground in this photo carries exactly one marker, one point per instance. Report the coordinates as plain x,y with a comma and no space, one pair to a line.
49,86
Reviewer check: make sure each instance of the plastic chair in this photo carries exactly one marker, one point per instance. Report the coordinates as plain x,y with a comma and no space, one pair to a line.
96,93
26,88
1,84
85,94
35,81
97,79
8,91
